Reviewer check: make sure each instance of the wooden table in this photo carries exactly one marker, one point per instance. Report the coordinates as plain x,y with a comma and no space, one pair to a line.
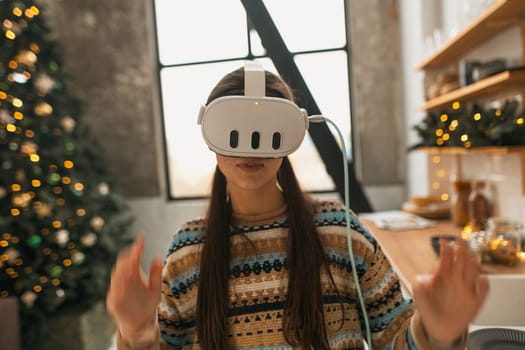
410,252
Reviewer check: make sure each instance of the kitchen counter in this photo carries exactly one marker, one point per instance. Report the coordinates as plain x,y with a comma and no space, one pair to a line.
410,252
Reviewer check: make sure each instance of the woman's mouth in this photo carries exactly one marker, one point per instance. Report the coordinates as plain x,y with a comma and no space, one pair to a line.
250,165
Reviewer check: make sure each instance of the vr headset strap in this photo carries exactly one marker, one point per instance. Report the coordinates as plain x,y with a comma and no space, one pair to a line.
254,80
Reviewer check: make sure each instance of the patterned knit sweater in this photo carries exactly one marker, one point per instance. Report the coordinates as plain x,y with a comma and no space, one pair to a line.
258,284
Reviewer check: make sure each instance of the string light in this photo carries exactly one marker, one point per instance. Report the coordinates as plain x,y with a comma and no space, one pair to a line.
17,102
34,47
9,34
477,116
34,158
35,10
28,13
43,109
456,105
444,196
17,12
443,117
519,121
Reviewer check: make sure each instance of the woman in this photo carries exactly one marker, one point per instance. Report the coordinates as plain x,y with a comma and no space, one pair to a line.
268,268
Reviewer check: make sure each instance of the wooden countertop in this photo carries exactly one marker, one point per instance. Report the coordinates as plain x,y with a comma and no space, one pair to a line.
410,252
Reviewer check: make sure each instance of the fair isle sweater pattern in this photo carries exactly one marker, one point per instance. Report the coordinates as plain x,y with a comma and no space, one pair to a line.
258,283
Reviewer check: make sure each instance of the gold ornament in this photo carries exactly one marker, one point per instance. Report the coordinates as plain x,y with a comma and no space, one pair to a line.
62,237
44,84
103,188
89,239
12,254
68,124
43,109
28,298
21,200
5,117
43,211
26,57
97,223
28,148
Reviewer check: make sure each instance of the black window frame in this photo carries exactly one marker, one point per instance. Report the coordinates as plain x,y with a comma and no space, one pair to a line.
283,60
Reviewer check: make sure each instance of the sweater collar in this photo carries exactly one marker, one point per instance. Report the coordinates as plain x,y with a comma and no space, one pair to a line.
259,219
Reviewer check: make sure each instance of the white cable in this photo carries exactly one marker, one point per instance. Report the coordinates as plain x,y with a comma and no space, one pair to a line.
320,119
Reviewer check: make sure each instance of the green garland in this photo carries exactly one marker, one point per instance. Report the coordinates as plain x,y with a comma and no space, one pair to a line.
461,126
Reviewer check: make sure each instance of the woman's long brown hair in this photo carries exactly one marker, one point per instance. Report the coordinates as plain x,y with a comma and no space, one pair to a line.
303,320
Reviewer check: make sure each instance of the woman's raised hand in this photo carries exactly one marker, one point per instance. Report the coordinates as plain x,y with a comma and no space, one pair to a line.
132,298
450,300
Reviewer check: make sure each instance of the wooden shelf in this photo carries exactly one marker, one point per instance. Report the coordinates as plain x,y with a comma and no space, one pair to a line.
489,150
500,82
500,16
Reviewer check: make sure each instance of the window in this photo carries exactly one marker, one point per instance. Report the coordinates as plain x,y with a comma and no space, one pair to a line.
200,41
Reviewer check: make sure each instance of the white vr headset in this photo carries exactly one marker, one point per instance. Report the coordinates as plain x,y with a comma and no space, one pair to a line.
253,125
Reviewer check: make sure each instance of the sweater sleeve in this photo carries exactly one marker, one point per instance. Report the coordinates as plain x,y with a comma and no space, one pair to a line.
178,303
122,343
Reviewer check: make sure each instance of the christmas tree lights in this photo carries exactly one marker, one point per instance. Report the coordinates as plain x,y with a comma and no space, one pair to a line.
61,225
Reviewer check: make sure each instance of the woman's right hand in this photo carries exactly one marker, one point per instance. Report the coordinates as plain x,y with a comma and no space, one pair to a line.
132,298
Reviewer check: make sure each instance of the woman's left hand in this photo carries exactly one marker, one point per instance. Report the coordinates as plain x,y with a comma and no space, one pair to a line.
451,298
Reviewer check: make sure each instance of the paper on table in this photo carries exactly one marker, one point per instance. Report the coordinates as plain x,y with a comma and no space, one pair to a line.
397,220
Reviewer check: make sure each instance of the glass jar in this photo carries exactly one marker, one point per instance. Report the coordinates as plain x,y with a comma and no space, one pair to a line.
504,240
479,206
459,202
478,244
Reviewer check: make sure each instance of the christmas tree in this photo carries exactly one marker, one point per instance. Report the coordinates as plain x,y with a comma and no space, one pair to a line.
61,224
